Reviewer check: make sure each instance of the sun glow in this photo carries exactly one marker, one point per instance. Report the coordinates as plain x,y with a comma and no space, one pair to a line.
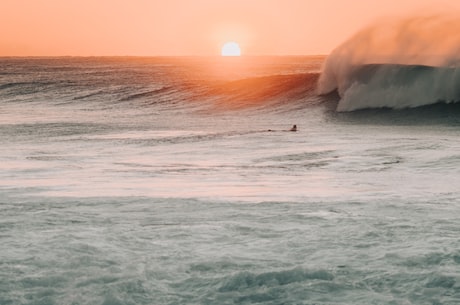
231,49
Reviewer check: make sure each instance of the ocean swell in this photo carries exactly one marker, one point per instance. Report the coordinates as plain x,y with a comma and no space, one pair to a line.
270,90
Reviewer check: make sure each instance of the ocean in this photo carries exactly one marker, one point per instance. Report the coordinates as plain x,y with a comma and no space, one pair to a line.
176,180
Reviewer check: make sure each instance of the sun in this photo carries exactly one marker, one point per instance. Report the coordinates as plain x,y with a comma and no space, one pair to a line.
231,49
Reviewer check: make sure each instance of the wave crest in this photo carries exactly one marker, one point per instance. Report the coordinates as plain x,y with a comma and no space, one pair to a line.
397,64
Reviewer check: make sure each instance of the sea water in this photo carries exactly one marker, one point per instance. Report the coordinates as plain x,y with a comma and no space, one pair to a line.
176,181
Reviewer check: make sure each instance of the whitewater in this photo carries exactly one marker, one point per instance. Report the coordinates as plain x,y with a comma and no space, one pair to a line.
397,63
176,181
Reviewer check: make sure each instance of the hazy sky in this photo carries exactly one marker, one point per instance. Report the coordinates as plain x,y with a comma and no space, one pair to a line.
190,27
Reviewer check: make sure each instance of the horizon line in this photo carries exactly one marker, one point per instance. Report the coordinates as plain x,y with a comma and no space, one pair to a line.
164,56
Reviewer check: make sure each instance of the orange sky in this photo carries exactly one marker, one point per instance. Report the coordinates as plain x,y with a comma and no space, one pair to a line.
189,27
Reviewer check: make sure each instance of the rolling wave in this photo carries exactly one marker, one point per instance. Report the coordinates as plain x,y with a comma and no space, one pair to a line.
398,86
266,91
396,64
185,85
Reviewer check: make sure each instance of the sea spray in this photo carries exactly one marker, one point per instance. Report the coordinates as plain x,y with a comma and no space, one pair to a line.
408,45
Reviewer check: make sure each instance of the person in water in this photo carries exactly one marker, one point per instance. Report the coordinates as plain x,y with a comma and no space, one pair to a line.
293,128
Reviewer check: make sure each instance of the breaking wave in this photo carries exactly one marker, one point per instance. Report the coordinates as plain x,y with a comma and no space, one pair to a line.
399,86
397,64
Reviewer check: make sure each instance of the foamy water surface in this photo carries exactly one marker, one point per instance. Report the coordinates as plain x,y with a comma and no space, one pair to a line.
112,192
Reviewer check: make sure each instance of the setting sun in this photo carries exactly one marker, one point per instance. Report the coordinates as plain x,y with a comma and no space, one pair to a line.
231,49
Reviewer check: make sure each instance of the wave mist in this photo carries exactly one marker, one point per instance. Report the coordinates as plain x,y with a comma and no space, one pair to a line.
413,61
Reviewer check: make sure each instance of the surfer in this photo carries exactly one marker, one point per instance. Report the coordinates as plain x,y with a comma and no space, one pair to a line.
293,128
